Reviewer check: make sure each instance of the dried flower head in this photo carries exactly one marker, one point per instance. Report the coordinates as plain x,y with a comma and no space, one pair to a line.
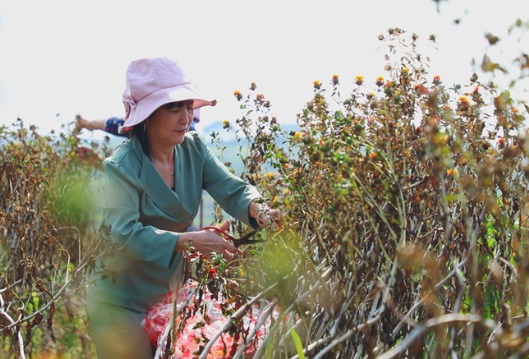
463,100
359,80
317,84
238,95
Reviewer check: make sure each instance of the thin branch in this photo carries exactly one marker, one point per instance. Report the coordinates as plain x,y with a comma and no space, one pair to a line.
237,315
165,335
346,336
431,323
419,303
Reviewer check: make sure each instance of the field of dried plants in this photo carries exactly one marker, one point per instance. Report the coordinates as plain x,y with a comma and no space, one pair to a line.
406,210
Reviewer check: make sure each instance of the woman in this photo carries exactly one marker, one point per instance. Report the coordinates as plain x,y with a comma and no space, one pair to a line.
154,182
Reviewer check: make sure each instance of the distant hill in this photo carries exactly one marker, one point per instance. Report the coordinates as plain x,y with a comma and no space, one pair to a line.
229,136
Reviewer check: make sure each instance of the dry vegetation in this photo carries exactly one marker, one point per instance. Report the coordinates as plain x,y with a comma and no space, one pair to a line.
406,213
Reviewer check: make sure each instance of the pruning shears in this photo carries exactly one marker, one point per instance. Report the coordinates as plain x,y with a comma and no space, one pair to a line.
237,242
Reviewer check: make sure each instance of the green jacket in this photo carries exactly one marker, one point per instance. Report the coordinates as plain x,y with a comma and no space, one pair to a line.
146,217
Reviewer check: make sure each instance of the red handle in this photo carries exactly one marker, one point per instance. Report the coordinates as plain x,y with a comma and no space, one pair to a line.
220,231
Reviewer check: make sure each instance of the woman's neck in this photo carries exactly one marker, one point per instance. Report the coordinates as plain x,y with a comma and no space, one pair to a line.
161,153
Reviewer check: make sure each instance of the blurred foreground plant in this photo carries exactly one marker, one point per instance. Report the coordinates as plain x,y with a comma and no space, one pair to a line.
46,223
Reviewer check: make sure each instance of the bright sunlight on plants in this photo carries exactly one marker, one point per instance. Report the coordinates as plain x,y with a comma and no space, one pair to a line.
406,206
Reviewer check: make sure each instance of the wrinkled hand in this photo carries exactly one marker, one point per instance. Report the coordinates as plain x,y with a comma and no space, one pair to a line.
209,241
265,216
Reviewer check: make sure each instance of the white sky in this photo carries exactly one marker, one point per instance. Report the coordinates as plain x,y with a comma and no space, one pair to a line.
68,57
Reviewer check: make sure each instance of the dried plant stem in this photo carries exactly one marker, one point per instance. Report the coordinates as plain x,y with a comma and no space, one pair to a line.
429,324
262,318
344,337
54,299
168,328
20,340
420,302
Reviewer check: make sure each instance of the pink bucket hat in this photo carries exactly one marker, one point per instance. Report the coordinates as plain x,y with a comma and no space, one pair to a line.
154,82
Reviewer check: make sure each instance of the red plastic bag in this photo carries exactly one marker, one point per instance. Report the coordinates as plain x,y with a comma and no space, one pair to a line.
197,331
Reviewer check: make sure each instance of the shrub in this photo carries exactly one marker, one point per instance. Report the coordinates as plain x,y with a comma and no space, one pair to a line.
47,226
406,211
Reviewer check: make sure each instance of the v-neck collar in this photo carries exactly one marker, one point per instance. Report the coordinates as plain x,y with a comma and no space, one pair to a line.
164,197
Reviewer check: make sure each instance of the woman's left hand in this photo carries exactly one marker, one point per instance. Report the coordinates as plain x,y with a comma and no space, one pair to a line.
265,216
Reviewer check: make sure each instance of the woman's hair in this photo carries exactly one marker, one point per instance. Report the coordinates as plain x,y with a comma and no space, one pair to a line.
139,132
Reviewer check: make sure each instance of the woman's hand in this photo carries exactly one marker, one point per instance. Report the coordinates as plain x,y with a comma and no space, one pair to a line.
209,241
264,215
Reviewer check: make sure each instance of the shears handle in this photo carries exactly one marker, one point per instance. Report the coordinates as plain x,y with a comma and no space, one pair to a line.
237,242
221,231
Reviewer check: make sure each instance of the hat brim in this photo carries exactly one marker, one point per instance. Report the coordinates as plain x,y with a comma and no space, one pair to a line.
146,106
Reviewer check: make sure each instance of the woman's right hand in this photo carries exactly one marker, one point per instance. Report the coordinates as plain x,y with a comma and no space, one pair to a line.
209,241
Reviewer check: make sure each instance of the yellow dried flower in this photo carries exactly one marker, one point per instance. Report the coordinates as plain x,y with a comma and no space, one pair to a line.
359,80
463,100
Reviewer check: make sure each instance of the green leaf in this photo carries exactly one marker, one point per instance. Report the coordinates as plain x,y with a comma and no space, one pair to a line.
297,343
451,197
269,348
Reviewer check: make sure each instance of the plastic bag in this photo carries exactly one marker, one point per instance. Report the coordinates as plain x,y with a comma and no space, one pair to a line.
198,331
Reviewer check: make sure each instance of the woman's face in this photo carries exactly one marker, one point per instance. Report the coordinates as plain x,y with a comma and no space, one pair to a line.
168,125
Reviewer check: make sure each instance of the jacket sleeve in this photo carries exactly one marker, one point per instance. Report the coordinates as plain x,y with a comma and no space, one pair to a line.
229,191
121,209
